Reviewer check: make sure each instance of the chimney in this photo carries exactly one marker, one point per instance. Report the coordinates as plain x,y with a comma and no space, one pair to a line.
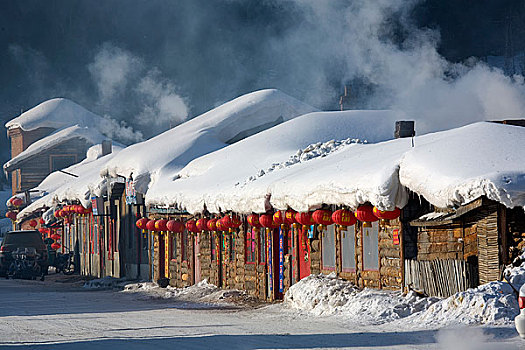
344,100
405,128
106,147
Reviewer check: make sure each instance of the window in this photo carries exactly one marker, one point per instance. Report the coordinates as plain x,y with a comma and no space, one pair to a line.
251,241
371,247
262,246
184,245
173,246
61,161
348,249
231,241
328,248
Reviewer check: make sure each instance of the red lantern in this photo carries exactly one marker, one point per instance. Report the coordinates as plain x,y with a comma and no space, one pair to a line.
56,236
289,217
322,217
220,225
365,213
150,225
16,201
212,224
175,226
267,221
43,230
41,221
11,215
191,225
160,225
278,217
253,220
387,215
141,223
33,223
231,221
344,217
202,224
304,219
55,246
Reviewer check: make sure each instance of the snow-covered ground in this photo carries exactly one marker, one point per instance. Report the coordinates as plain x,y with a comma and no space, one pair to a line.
52,315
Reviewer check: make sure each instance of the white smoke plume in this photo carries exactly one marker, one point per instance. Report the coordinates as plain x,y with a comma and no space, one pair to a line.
377,43
123,79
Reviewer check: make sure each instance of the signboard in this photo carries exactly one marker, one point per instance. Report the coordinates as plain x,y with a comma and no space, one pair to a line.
131,194
97,203
395,234
281,260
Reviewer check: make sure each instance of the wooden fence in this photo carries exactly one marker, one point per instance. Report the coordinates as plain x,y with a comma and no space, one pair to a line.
440,278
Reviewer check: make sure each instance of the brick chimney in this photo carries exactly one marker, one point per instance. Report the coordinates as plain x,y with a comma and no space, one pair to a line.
405,128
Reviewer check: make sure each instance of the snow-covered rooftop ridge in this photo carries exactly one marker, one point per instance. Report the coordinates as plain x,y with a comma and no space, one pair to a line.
210,180
448,168
90,135
208,132
56,113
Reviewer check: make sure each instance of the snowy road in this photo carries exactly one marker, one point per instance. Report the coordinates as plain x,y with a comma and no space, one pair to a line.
53,315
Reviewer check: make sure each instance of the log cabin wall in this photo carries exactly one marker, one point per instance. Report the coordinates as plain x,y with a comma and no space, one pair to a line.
34,169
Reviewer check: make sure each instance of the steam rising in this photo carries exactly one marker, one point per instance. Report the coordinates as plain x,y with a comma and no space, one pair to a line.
122,78
163,57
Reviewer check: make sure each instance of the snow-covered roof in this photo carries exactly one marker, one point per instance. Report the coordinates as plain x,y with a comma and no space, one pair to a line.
175,148
90,135
448,168
56,113
221,179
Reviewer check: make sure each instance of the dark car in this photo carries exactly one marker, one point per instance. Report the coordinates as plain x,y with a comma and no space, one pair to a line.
22,239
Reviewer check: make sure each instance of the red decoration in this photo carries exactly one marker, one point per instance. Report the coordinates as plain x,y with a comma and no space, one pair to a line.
141,223
344,217
160,225
231,221
41,221
202,224
150,225
267,221
304,219
212,224
191,225
322,217
278,217
220,225
16,201
43,230
175,226
55,246
11,215
289,217
56,236
395,237
33,223
253,220
387,215
365,213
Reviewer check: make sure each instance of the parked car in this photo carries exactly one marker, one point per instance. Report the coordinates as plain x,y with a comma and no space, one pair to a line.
22,239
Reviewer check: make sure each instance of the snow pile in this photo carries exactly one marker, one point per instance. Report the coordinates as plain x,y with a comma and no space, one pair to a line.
312,151
107,282
202,292
491,303
328,295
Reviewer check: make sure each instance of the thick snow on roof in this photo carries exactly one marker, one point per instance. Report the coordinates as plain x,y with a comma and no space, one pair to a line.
90,135
173,149
218,179
56,113
448,168
57,186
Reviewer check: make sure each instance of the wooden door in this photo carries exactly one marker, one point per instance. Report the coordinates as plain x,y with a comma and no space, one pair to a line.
303,252
162,256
